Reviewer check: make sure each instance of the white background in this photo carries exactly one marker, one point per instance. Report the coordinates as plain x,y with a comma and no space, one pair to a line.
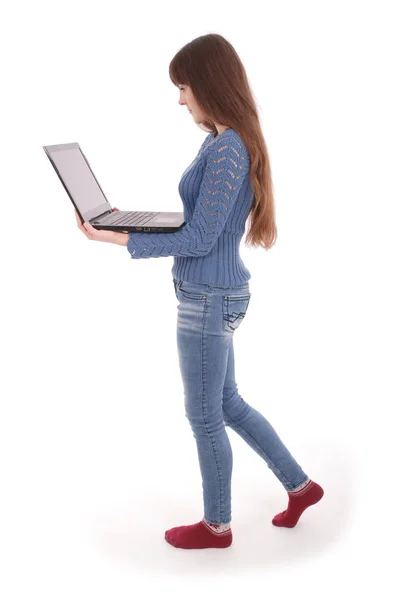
97,457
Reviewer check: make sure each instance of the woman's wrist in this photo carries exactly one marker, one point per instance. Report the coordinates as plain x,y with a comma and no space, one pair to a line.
121,239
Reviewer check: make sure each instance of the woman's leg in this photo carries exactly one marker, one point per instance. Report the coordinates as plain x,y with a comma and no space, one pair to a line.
203,350
203,344
207,320
254,428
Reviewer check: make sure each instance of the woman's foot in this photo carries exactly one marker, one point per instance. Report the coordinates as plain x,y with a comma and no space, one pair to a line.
200,535
298,501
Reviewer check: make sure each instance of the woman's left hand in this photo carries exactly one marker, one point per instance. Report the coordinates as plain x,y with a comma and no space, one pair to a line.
102,235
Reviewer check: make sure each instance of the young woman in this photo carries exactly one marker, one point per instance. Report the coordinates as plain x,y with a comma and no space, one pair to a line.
227,182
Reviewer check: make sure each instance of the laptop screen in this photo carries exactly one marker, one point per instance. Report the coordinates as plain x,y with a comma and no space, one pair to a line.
78,179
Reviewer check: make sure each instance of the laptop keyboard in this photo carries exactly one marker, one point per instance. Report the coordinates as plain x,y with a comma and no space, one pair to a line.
133,218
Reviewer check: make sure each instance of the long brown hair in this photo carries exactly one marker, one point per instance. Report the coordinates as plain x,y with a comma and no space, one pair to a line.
213,70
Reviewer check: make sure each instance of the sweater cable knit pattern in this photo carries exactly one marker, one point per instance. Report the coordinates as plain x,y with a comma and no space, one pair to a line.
217,198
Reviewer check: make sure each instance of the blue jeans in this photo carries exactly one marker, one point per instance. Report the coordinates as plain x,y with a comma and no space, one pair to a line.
208,316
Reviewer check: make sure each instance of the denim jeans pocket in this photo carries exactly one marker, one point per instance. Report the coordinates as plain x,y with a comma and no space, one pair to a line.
234,310
175,282
188,294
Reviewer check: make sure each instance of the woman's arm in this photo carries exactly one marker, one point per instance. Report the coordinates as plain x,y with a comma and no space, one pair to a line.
121,238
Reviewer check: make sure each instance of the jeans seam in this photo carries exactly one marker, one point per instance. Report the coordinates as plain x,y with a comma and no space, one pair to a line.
203,363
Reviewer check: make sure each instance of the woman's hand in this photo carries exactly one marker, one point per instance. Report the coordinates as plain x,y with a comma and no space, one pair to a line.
102,235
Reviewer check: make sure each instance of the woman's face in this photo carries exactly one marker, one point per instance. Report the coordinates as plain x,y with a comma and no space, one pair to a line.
187,98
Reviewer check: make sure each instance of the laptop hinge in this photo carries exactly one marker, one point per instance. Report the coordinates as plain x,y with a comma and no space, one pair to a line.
107,212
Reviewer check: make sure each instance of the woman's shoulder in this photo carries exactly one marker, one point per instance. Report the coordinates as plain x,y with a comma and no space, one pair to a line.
229,137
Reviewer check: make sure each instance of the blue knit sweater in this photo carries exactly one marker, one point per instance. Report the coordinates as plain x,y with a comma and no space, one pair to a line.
217,198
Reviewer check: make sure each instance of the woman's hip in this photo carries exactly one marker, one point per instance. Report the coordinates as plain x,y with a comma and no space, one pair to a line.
210,310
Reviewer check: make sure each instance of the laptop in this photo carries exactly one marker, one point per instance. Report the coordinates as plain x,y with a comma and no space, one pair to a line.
80,183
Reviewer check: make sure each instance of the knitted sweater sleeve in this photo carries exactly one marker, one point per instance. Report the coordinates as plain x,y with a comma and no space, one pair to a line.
227,163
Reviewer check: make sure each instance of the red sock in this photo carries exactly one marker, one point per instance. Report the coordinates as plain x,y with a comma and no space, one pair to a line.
199,535
298,502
